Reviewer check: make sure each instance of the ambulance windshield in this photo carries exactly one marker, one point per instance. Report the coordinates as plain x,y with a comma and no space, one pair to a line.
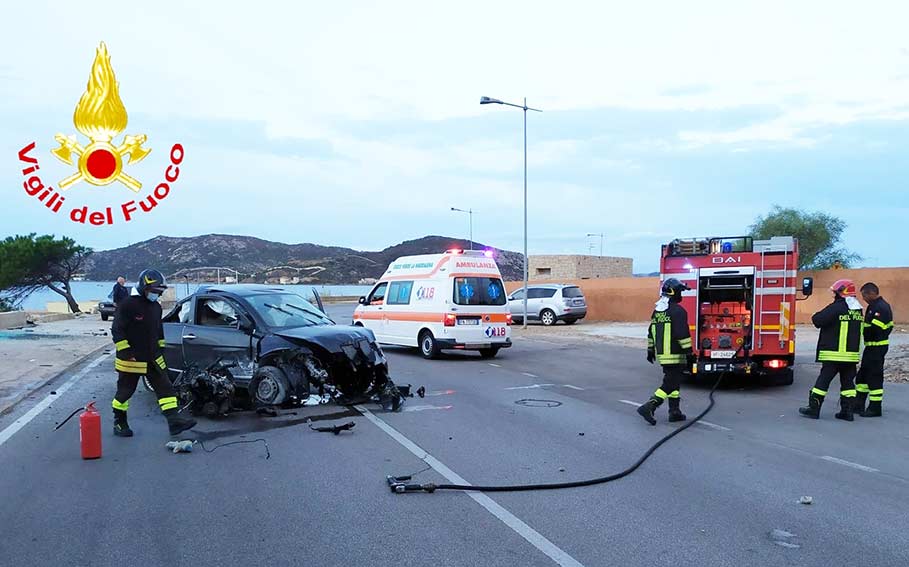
479,291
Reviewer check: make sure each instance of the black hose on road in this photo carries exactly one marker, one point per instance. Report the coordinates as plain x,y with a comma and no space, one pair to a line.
399,486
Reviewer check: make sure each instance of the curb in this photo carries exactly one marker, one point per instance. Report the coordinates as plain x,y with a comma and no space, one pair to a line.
16,401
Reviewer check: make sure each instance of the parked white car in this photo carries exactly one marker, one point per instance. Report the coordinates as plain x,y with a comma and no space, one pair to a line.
549,304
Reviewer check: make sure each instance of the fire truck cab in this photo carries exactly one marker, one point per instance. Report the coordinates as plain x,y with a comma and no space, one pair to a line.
742,301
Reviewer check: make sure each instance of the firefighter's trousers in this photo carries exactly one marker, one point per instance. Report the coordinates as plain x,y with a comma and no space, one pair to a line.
672,379
829,370
870,379
126,387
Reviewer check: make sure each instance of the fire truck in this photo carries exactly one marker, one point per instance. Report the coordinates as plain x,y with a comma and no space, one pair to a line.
742,301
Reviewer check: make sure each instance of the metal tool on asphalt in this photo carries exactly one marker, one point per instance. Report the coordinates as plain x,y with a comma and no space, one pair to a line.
399,484
89,430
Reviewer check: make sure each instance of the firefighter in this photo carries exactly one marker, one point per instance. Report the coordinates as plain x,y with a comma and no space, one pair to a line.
669,343
139,338
837,349
876,331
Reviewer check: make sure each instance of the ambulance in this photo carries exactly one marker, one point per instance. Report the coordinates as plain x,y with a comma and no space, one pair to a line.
437,302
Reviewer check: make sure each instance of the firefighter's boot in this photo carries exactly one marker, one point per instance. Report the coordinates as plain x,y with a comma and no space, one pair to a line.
121,427
845,413
813,409
858,404
646,410
177,424
873,410
675,414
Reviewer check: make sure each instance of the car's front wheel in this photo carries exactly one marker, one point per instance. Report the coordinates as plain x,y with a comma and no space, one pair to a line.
269,386
104,316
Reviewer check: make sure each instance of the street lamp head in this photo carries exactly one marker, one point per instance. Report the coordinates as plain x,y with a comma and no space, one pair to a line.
488,100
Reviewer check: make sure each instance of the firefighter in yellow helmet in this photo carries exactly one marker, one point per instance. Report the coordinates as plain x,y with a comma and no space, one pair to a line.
139,338
838,347
669,343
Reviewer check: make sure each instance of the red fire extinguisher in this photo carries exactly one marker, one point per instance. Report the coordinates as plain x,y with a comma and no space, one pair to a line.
90,432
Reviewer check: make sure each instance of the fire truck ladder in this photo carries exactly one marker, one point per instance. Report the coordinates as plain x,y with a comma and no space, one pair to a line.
761,324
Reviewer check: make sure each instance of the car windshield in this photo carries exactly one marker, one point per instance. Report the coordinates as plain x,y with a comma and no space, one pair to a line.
287,310
572,292
479,291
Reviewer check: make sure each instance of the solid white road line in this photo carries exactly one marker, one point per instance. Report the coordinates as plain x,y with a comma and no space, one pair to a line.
522,529
849,464
426,407
572,387
530,387
494,364
31,414
529,374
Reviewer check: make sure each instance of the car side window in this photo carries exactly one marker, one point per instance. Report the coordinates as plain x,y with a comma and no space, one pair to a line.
399,293
536,293
216,312
377,297
518,294
547,293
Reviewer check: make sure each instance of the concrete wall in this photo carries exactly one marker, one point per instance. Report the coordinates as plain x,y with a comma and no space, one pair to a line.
576,267
632,299
12,319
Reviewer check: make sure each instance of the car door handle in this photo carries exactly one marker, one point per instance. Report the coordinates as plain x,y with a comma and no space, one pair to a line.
189,336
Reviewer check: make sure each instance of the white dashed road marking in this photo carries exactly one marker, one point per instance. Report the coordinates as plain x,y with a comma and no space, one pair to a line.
534,537
702,422
424,408
529,374
531,387
493,364
849,464
31,414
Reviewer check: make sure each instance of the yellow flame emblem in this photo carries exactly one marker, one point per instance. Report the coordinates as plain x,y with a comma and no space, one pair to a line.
101,116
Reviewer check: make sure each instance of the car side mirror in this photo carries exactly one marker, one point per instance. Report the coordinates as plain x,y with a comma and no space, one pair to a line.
246,324
362,301
807,286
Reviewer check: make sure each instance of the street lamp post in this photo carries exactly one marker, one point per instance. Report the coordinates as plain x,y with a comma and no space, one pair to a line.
470,213
602,236
525,108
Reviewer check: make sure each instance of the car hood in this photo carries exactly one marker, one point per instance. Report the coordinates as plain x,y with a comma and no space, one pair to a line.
329,337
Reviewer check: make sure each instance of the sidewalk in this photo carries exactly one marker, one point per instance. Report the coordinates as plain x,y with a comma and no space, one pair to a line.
30,357
635,335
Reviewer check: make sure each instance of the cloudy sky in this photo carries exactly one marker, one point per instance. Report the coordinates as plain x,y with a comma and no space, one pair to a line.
358,123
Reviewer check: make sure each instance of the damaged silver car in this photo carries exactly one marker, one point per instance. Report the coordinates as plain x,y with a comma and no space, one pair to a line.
277,348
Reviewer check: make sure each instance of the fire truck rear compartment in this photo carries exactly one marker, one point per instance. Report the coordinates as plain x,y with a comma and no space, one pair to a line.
724,315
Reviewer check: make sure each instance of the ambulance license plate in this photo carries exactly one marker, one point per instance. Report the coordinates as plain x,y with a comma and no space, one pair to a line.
722,354
468,321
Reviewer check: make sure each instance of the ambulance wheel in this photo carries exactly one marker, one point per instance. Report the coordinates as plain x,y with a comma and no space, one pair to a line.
489,352
429,348
548,317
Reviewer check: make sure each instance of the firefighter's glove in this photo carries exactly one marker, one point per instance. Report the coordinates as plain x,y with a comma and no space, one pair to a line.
651,356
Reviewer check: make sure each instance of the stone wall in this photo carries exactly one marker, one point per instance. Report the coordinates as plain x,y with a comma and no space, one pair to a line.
577,267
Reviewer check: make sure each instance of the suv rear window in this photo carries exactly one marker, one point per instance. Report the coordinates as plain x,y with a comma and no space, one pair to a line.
571,292
479,291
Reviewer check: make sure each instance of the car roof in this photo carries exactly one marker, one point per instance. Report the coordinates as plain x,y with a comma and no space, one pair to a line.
245,290
550,286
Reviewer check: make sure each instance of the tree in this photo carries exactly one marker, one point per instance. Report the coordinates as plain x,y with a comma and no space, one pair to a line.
818,234
29,263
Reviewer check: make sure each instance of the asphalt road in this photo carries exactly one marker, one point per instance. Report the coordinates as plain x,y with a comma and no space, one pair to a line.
722,493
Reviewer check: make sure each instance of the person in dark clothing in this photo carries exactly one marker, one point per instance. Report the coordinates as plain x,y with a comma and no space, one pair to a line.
838,347
138,336
120,291
669,343
876,332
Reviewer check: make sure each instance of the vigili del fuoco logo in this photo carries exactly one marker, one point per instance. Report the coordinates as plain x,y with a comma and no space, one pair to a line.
101,117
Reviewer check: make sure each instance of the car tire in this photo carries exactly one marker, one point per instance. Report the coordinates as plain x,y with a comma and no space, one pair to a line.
548,318
104,316
269,386
489,352
570,321
429,348
147,384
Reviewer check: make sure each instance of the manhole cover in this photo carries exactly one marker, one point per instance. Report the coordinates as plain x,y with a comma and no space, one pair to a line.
539,403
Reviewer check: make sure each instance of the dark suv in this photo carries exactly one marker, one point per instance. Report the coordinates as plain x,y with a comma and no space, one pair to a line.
283,346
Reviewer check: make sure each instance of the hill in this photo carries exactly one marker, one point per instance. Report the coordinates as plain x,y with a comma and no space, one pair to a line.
255,259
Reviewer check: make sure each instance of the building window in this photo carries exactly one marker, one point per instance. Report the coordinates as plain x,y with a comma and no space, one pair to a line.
544,271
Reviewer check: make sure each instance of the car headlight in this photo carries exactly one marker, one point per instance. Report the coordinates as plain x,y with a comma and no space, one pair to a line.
365,347
350,351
